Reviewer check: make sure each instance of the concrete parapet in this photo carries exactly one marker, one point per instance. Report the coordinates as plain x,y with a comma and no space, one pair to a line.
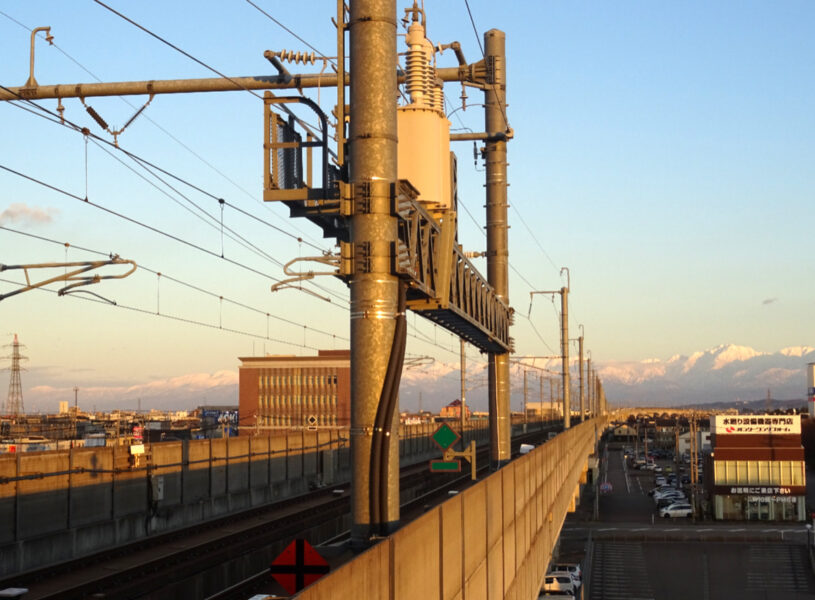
494,540
83,500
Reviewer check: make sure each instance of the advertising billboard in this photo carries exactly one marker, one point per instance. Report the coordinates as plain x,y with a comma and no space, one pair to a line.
756,424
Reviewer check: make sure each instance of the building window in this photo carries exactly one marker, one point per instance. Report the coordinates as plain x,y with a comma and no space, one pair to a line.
798,477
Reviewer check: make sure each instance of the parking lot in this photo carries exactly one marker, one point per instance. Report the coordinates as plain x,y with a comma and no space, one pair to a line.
630,553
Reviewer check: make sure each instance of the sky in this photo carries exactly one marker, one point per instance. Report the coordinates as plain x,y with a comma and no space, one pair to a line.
663,152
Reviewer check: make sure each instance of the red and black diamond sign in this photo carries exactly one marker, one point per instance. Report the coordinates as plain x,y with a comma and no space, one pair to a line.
298,565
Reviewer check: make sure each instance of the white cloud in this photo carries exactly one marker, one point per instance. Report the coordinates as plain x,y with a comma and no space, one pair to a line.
181,392
22,214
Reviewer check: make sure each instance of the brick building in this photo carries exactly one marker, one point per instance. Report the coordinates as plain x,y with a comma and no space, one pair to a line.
453,410
290,392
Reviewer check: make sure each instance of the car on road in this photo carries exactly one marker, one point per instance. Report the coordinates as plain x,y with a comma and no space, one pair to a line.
560,582
661,488
573,568
680,509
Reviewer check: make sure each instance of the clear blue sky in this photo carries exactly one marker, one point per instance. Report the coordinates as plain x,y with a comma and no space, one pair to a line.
663,153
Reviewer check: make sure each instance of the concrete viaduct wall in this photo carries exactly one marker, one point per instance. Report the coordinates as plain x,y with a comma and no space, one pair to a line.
58,505
492,541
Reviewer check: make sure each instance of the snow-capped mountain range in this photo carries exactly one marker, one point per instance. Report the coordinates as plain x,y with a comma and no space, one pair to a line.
725,373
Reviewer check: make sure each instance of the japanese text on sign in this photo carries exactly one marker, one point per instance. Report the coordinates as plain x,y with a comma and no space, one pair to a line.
766,424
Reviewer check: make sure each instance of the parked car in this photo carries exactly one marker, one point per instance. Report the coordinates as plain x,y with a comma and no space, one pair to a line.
660,488
559,581
573,568
672,499
676,494
658,481
679,509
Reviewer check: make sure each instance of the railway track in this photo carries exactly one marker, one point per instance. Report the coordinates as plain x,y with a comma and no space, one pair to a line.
236,548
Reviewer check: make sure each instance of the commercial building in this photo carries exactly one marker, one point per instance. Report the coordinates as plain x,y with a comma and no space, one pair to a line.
758,468
292,392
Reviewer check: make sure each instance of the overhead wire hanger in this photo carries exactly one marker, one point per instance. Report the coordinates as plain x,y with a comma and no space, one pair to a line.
74,276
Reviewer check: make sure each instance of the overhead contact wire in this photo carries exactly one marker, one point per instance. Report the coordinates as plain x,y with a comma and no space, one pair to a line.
180,282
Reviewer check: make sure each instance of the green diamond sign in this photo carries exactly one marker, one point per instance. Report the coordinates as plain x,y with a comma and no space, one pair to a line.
445,437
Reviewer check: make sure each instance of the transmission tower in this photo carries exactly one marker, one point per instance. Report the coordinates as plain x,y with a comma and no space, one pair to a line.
14,402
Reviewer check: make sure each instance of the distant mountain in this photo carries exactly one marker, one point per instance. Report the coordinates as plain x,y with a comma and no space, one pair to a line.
726,373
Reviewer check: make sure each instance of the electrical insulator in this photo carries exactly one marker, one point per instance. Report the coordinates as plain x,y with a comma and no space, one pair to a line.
296,57
423,129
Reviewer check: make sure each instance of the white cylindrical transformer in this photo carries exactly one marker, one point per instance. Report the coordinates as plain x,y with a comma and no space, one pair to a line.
424,154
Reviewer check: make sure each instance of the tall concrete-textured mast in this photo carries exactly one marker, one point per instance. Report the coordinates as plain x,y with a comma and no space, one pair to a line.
564,351
811,389
374,289
495,154
582,396
14,402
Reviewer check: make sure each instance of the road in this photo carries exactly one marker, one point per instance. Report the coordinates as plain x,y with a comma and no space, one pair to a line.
632,554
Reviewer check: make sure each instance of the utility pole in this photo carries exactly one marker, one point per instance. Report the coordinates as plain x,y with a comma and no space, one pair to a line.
495,157
540,398
374,290
592,408
463,403
551,395
564,344
582,399
694,468
676,453
526,391
564,348
76,410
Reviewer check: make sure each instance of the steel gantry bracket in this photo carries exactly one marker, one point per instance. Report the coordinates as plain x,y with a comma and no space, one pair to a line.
443,285
74,276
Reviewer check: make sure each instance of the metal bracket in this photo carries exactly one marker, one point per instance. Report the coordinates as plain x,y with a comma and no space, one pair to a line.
68,276
468,455
329,259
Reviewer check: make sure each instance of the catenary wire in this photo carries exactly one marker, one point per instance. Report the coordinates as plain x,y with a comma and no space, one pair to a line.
48,115
285,109
175,318
178,281
172,137
139,223
289,31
